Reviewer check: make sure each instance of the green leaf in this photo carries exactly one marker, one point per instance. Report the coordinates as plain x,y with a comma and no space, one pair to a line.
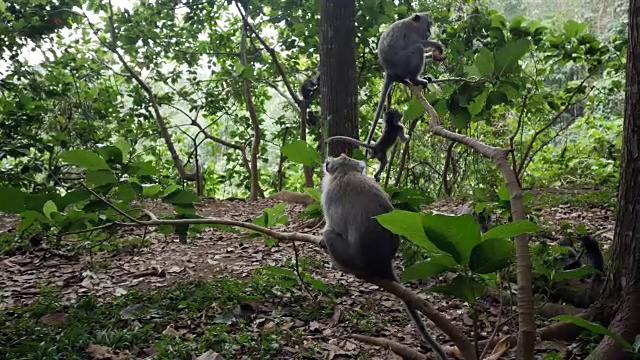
578,273
11,200
143,168
507,57
101,177
573,28
511,229
314,193
85,159
111,154
407,224
300,152
171,188
277,270
74,197
454,234
49,208
31,218
126,193
181,197
478,103
151,190
423,270
124,147
491,255
484,62
463,287
414,110
594,328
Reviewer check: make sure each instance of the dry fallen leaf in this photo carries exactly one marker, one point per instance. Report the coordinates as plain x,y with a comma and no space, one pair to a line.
501,347
210,355
54,319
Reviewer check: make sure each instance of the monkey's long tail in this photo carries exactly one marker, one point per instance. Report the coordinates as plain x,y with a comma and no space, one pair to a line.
351,141
415,316
383,95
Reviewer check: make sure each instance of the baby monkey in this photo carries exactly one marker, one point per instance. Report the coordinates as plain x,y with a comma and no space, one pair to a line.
355,241
391,131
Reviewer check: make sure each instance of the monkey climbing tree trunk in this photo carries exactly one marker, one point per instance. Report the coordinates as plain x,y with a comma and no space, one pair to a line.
338,85
622,287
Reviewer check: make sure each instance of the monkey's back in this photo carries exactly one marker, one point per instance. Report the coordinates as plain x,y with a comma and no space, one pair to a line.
398,37
352,217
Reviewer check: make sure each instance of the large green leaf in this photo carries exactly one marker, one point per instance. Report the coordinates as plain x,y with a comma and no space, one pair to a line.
453,234
407,224
511,229
101,177
11,200
111,154
300,152
85,159
423,270
491,255
124,147
49,208
414,110
151,190
181,197
463,287
507,57
484,62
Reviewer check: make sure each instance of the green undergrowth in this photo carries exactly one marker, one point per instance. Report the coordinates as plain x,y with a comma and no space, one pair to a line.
251,319
586,199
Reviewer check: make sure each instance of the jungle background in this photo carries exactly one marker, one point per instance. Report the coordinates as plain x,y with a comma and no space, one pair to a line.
117,111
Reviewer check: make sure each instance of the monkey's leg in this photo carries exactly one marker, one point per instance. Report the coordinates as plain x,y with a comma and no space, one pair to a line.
415,316
383,163
342,254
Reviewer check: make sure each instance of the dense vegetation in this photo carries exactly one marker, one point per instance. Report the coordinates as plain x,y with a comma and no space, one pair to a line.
109,108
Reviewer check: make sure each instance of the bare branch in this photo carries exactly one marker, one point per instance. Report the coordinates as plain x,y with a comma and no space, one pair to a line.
549,124
526,315
272,54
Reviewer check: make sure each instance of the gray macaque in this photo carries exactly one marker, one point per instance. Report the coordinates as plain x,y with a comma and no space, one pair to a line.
391,131
401,52
355,241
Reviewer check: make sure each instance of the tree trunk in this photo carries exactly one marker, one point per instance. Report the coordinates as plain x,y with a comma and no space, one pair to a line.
255,147
338,85
622,287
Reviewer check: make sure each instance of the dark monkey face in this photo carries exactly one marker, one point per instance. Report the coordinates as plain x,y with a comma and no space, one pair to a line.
393,116
423,20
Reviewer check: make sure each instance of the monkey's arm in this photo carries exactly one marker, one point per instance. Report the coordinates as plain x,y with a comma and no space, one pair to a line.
351,141
402,136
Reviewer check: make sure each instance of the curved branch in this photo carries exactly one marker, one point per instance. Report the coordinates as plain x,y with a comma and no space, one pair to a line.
526,315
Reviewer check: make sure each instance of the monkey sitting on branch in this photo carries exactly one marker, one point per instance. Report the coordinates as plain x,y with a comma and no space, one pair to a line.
401,52
391,131
355,241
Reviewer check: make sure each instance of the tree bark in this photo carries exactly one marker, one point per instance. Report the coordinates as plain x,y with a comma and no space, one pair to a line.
255,147
622,285
338,85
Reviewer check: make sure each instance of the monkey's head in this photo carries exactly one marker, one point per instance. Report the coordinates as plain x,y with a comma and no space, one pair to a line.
343,164
422,23
393,116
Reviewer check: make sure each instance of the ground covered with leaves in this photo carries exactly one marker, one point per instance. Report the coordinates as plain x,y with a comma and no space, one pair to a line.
144,294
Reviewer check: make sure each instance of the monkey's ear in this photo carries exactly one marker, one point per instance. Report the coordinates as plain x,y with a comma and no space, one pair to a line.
415,17
327,161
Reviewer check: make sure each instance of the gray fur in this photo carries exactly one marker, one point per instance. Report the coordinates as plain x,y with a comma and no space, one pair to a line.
355,241
391,131
401,51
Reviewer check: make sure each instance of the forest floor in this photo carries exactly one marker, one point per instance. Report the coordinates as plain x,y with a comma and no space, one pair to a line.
153,296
